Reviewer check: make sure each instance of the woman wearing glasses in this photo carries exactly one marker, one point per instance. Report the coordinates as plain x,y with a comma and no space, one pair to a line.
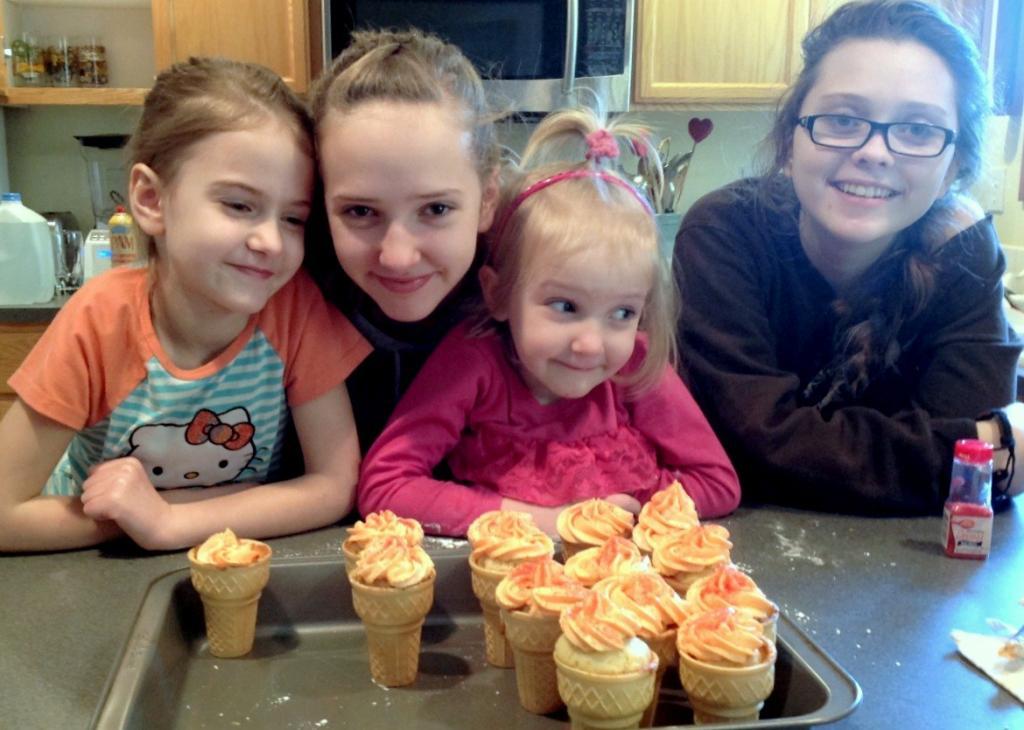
842,318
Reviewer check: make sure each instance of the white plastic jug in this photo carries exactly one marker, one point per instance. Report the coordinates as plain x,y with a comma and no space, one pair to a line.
27,273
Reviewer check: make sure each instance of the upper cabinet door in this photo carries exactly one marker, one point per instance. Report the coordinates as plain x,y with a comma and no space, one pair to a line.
717,52
271,32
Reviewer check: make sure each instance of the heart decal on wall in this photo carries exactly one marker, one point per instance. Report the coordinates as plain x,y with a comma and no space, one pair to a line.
700,129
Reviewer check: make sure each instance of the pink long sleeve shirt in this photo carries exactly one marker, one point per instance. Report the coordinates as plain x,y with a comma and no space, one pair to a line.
468,406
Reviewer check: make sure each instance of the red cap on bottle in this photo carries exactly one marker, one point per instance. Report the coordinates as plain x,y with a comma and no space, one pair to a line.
973,451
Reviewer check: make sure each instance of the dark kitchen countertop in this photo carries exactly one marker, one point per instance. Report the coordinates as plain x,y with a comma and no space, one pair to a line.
32,313
878,595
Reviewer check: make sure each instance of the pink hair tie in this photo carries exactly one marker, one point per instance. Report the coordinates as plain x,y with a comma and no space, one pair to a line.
609,177
601,145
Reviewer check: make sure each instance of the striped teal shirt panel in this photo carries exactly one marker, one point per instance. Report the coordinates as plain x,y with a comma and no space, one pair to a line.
227,427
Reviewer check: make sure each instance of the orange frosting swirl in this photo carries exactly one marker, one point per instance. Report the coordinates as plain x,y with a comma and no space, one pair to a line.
593,521
617,555
692,551
539,587
596,624
380,523
226,550
648,596
500,523
513,549
730,586
390,560
724,637
669,510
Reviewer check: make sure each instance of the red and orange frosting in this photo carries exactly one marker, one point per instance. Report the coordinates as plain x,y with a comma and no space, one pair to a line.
669,511
724,637
226,550
691,551
384,522
596,624
593,521
730,586
649,597
617,556
500,523
539,587
390,561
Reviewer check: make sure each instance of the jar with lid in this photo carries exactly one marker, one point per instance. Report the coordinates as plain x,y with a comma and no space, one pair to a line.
60,61
91,61
967,515
27,59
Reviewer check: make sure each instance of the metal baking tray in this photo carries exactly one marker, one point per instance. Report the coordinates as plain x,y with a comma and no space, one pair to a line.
309,668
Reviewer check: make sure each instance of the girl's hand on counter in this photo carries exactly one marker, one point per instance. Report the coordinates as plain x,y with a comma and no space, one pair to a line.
989,430
119,490
1015,412
627,501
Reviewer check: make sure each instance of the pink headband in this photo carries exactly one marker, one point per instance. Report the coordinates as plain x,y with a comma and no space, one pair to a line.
558,177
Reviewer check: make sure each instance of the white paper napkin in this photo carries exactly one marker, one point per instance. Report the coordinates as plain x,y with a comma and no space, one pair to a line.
982,651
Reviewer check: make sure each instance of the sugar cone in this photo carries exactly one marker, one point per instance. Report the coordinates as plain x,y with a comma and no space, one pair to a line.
351,556
664,645
496,646
727,694
230,598
533,641
393,618
602,701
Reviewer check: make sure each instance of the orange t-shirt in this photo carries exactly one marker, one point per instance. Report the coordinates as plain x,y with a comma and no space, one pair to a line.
100,369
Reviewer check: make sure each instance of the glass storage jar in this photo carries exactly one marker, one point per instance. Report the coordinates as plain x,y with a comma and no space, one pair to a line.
91,62
27,61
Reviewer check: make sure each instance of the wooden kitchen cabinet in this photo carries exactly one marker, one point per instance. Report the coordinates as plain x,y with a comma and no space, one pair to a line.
271,32
15,342
735,53
144,36
717,52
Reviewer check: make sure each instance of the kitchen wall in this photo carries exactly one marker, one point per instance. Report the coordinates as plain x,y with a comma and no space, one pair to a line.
45,165
730,152
44,159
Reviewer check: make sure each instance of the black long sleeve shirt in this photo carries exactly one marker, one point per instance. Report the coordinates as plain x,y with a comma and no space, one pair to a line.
757,325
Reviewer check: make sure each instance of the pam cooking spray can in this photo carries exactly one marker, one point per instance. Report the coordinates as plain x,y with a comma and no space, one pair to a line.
122,238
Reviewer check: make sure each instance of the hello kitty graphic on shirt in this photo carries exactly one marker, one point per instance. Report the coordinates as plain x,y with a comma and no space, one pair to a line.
212,448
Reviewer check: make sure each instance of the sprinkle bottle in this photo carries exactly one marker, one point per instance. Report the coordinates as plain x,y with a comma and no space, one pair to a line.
967,515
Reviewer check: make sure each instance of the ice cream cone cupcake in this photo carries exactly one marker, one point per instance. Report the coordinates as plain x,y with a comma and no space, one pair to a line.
377,524
605,673
730,586
532,597
660,611
617,556
669,511
590,523
392,592
229,575
500,545
685,557
491,560
726,666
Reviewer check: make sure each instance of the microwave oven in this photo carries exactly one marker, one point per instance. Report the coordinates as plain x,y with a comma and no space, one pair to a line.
534,55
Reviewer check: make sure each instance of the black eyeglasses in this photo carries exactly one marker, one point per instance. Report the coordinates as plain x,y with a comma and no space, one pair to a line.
912,139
